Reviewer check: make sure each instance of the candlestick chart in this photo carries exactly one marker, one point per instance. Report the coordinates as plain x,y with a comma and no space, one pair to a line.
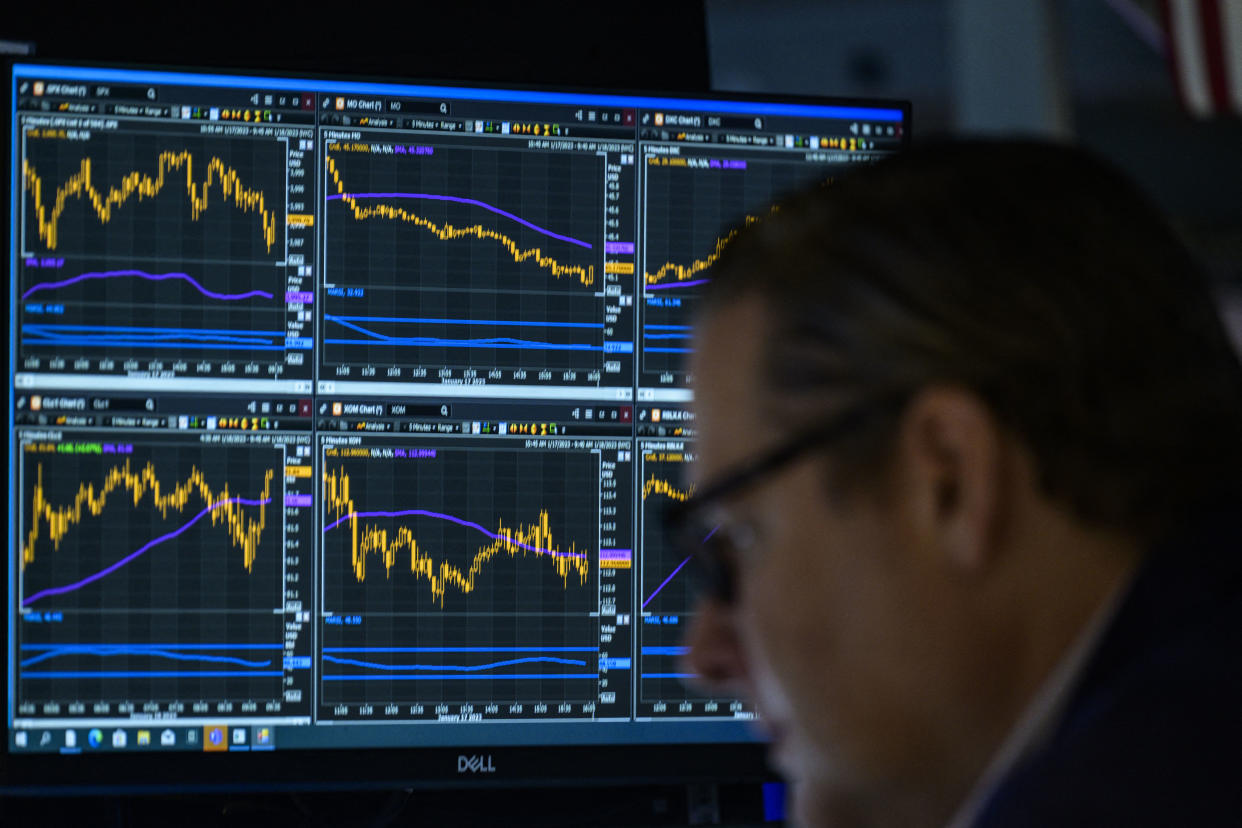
693,207
442,257
665,688
156,245
150,569
459,573
664,586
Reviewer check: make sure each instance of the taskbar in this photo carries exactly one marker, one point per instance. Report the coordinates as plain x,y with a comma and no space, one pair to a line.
241,735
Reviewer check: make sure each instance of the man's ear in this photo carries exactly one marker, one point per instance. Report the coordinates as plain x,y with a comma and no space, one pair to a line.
951,456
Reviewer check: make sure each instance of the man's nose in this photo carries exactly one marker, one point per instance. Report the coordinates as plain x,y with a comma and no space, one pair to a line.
714,651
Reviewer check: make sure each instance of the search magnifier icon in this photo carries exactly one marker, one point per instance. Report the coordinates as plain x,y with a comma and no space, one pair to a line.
443,109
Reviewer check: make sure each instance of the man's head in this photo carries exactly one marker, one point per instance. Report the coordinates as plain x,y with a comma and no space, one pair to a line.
1023,380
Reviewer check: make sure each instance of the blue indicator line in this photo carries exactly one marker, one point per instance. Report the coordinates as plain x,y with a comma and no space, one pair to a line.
151,674
464,668
54,338
124,650
435,321
665,651
36,334
162,646
465,677
667,328
146,331
201,346
57,335
647,336
461,649
506,344
440,342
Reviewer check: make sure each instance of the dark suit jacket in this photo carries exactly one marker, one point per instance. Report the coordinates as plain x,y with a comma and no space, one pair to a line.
1152,732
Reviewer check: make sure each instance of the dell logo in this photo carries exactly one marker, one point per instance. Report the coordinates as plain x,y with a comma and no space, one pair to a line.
475,764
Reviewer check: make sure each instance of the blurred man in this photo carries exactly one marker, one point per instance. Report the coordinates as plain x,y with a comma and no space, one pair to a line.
970,468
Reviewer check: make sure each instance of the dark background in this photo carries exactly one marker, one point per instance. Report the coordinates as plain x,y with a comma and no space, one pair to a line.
1104,85
625,46
1090,71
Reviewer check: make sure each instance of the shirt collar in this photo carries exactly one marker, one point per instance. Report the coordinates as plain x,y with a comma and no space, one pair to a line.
1041,714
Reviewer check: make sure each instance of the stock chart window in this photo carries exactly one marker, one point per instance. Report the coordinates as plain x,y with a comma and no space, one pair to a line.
695,197
344,414
514,243
429,613
150,247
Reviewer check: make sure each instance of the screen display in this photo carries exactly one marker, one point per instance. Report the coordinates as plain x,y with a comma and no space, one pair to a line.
343,414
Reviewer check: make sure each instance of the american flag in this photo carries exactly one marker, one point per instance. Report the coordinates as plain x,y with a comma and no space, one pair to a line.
1204,39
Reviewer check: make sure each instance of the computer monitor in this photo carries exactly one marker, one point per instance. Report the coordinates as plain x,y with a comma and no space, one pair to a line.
342,414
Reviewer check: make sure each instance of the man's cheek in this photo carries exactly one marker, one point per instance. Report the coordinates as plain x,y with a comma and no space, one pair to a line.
769,676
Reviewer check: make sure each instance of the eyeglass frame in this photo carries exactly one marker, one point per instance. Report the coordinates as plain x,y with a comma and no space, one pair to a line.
715,575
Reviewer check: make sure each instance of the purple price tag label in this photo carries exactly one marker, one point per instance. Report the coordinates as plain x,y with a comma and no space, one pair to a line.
626,248
306,297
298,500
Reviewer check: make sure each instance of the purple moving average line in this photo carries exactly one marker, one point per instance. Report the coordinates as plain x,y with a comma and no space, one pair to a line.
451,519
665,582
472,201
678,284
152,277
131,556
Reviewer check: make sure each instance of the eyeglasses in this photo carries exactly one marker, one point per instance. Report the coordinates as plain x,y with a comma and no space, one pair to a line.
711,546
